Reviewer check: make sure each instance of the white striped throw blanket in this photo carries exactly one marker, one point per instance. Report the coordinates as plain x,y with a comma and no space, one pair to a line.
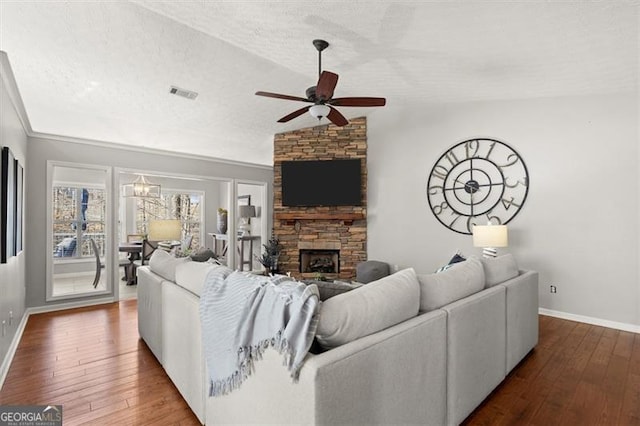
243,314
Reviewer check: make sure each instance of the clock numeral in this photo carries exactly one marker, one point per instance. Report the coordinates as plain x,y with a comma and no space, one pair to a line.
433,190
457,216
490,150
524,182
440,172
494,220
471,223
508,203
472,145
451,156
511,160
440,208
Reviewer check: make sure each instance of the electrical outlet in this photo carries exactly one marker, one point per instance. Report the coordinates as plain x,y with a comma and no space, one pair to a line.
552,289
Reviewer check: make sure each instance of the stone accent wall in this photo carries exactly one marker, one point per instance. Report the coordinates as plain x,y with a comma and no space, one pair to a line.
338,227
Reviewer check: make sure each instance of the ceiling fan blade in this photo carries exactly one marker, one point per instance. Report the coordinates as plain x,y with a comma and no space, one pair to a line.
336,118
326,84
358,102
279,96
294,114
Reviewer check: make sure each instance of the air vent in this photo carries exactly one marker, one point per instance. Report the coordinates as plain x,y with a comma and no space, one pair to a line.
182,92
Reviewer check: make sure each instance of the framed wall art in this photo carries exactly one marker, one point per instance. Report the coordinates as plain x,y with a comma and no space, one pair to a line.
19,222
8,206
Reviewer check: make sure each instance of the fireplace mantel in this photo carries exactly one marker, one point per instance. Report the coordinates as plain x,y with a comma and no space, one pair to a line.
346,217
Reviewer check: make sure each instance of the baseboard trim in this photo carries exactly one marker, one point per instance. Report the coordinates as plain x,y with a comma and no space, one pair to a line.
8,359
69,305
590,320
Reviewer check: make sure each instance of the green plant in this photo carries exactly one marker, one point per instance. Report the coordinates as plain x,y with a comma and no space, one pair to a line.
222,210
269,258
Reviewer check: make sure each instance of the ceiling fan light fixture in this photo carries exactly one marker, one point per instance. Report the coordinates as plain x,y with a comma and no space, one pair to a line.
319,111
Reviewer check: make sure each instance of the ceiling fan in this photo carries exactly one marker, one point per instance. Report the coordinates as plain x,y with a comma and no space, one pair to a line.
321,96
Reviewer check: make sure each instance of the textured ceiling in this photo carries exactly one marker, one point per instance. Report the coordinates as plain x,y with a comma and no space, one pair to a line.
102,70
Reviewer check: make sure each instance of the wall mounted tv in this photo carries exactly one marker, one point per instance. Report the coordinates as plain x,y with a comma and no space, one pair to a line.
322,183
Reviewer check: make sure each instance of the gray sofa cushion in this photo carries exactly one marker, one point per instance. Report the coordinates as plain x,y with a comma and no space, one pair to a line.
164,264
460,280
371,270
499,269
368,309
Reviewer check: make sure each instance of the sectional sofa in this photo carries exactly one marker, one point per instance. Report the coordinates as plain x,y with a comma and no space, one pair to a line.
409,348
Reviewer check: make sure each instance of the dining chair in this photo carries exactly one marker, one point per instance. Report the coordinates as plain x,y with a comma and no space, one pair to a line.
99,265
148,247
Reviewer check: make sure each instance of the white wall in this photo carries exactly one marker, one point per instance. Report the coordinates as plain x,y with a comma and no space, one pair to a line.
12,273
580,224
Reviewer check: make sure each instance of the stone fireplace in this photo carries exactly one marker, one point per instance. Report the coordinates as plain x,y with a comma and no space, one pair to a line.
316,230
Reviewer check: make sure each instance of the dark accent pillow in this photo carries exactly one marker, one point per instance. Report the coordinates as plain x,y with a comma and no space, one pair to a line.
457,258
371,270
202,255
328,289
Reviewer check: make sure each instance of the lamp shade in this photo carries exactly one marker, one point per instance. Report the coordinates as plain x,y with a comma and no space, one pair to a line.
165,230
490,236
247,211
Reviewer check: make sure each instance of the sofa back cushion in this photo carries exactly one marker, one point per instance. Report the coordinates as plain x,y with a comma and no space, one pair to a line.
164,264
460,280
499,269
368,309
191,275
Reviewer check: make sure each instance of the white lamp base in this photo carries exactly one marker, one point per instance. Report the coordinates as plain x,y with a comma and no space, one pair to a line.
489,252
245,227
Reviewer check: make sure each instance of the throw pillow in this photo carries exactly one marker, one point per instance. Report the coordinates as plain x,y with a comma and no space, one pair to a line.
164,264
369,309
371,270
202,255
457,258
460,280
328,289
499,269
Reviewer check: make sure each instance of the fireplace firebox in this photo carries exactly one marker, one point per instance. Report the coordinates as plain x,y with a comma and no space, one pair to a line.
320,261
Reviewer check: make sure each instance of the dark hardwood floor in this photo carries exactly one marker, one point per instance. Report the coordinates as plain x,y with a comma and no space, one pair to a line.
579,374
92,361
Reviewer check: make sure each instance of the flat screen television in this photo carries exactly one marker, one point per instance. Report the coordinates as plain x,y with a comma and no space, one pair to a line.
322,183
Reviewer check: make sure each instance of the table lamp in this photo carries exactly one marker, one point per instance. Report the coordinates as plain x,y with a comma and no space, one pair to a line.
489,237
165,230
245,213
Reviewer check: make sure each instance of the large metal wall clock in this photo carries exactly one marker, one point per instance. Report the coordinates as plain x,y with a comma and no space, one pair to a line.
475,182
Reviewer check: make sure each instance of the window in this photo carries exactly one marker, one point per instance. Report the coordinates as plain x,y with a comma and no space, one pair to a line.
78,215
186,206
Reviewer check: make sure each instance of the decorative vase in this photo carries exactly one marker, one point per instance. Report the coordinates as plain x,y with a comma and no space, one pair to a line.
222,223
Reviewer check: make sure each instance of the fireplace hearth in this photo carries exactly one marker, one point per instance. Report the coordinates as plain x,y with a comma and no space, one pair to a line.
320,261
